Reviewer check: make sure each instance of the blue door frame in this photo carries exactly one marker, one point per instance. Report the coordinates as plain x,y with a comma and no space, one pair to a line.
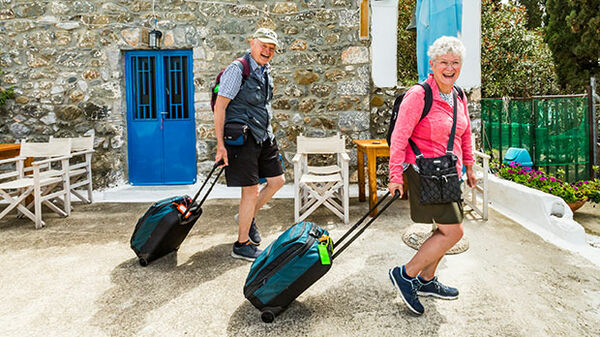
161,132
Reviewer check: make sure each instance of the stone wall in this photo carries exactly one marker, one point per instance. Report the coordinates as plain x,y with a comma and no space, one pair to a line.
65,60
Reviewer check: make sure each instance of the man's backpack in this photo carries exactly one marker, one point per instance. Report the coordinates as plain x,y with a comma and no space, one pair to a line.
426,107
214,90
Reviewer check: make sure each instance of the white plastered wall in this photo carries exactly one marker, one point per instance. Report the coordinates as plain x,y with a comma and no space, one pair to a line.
384,43
470,76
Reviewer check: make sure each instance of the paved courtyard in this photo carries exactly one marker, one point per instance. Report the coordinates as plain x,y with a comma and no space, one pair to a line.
78,277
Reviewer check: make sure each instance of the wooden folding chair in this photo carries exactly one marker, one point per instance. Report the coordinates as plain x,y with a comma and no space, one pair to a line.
45,182
321,185
80,165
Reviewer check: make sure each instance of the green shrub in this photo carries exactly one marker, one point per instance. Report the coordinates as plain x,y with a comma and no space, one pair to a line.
515,61
573,36
5,93
535,12
407,45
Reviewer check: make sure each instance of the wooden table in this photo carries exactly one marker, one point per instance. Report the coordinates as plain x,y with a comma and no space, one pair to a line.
373,148
11,151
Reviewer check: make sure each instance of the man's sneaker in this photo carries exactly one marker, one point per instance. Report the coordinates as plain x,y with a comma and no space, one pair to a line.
253,234
408,290
436,289
246,251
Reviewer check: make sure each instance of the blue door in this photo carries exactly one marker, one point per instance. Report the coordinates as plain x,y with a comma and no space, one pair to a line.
161,136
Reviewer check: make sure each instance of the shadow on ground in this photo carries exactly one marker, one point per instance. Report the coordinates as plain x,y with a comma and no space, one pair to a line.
358,301
102,223
139,290
88,224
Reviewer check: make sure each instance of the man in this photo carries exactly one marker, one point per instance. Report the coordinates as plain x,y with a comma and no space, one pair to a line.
243,116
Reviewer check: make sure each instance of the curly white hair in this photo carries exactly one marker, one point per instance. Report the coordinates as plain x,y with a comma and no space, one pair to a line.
446,45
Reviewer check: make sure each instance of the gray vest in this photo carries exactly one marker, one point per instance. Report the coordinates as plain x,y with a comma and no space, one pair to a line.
252,105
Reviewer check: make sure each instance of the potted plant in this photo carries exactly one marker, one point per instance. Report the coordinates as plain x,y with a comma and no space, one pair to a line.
575,194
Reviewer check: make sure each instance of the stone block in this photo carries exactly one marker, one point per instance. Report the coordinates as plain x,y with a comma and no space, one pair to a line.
299,45
353,88
49,119
244,11
22,99
335,75
131,36
321,90
285,8
355,55
306,105
303,76
327,15
6,14
69,113
349,18
353,121
377,100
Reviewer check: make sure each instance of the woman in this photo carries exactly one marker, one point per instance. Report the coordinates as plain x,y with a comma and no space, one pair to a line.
431,135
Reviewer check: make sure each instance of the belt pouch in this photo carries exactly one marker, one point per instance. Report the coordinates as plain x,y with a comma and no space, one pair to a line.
235,134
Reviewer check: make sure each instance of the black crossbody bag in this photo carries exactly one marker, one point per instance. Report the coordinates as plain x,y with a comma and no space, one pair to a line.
439,179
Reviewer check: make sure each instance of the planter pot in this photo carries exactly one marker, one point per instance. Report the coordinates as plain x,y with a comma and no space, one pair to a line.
576,205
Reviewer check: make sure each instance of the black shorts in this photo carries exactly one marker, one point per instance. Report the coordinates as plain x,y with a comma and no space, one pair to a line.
252,161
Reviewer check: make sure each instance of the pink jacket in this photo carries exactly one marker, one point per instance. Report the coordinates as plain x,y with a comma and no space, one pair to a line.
431,134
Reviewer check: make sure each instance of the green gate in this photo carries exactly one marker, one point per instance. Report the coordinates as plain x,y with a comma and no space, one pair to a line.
555,130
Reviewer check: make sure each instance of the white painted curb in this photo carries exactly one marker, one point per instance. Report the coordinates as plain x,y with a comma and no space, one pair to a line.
542,213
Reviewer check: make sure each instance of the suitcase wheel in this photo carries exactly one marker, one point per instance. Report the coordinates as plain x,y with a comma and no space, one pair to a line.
143,262
267,316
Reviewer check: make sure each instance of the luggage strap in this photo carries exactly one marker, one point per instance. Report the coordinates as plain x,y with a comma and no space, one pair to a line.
204,184
339,250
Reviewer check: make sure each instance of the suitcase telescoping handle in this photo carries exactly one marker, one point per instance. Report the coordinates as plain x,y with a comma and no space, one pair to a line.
339,250
204,184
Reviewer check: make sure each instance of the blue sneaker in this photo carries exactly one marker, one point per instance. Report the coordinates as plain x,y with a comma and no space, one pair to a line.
436,289
408,289
253,234
246,251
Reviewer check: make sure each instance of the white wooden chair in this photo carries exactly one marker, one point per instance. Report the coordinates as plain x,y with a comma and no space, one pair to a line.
477,197
43,181
80,165
321,185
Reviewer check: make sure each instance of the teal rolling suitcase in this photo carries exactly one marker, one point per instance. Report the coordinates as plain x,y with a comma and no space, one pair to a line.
298,258
166,224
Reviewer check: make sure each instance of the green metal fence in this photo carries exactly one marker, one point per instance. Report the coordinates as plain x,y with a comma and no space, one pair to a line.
555,130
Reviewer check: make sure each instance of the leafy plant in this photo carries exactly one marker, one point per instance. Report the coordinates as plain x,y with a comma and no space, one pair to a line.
515,61
572,35
5,93
407,45
590,188
535,12
584,189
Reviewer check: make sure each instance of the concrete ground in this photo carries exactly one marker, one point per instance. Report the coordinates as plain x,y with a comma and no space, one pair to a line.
589,217
78,277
